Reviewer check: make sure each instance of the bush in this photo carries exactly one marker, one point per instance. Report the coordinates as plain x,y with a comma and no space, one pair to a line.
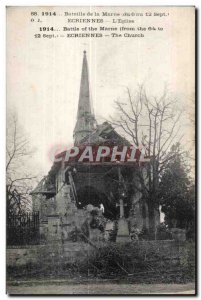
140,262
163,233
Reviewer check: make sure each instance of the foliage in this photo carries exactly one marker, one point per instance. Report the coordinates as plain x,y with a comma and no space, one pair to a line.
176,192
187,261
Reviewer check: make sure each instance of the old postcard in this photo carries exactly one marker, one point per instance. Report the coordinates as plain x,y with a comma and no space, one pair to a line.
100,189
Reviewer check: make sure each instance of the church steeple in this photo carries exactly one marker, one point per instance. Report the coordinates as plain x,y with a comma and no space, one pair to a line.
85,120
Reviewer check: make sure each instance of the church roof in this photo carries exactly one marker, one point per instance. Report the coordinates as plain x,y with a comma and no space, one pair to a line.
104,134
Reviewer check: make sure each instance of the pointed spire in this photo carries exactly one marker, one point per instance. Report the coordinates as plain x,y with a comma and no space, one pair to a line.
85,119
84,98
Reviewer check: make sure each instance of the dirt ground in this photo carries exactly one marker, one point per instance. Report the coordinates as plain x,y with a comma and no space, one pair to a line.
97,288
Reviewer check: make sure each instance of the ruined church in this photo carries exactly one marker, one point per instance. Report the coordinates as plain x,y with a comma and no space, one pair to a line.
84,201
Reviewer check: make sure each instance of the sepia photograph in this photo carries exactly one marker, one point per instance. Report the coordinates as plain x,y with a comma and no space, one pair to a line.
100,150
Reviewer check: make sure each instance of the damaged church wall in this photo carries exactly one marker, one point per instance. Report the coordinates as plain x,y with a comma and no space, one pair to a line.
66,218
61,216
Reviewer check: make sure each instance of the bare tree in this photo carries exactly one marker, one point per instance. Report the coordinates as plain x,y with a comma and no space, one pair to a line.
153,122
18,177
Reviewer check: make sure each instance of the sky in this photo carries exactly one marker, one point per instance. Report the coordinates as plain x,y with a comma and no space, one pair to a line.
43,75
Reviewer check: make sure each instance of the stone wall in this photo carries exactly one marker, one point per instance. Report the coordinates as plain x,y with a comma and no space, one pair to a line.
69,252
42,254
21,256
